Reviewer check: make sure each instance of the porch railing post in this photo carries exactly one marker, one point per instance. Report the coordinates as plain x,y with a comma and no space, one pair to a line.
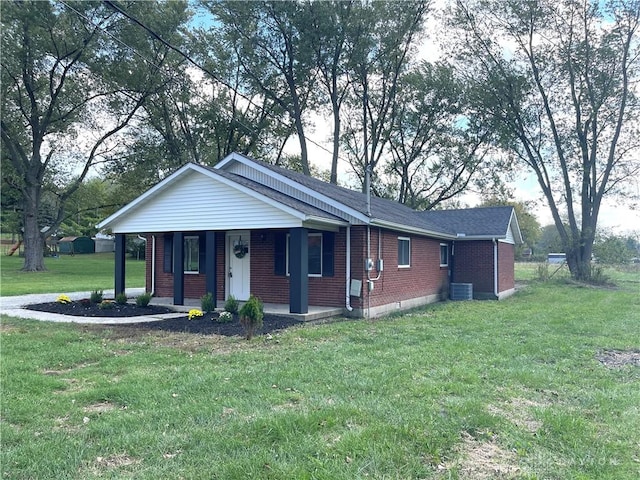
299,270
210,260
120,263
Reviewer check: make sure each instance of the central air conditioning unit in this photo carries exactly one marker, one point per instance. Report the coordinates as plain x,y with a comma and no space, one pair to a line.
461,291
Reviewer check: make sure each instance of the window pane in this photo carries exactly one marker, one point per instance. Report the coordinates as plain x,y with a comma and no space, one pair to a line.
315,254
444,255
191,254
404,252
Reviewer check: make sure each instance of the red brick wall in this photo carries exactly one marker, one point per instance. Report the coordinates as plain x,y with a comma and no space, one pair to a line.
473,263
268,287
423,278
325,291
506,264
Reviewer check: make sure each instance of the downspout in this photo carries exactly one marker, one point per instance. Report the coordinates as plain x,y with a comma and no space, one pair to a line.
452,266
153,265
348,270
495,268
153,261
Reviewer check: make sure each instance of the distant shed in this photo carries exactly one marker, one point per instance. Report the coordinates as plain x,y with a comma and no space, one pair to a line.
104,244
73,245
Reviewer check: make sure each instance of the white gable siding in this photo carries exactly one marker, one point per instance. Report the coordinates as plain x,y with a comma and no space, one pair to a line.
510,238
247,171
196,203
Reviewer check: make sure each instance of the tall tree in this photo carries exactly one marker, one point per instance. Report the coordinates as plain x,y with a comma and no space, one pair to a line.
334,30
388,35
275,55
68,91
557,80
435,153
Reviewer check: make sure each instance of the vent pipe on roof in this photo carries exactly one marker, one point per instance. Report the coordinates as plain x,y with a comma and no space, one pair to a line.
367,187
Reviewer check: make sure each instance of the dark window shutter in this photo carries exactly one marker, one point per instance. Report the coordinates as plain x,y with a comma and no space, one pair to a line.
202,253
328,241
167,264
280,253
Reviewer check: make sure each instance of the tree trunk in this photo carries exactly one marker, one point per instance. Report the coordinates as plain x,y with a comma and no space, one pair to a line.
579,266
33,239
579,256
336,149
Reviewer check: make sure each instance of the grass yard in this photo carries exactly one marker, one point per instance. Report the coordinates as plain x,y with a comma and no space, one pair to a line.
67,273
527,388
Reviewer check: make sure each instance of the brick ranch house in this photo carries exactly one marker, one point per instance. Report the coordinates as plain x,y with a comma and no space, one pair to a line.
246,227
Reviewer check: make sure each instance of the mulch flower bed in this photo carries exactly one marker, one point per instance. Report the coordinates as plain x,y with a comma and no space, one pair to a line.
84,308
204,325
208,325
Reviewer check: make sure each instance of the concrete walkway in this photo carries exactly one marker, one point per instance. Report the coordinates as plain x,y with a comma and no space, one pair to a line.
14,307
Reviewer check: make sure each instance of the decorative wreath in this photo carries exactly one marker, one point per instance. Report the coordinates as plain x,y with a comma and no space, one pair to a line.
240,249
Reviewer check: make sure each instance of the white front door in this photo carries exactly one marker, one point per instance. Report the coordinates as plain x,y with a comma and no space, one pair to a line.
238,271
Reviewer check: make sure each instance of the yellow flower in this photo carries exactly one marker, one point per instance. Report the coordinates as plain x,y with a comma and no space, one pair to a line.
63,299
194,313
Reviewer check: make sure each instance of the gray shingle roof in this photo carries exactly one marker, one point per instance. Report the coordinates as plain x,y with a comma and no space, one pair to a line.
472,222
381,208
485,221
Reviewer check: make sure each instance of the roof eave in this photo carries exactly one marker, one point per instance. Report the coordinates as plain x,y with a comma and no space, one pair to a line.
462,236
518,234
409,229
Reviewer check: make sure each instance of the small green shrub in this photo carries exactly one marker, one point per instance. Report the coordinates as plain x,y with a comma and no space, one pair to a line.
121,298
106,305
207,303
231,305
143,300
96,296
251,315
598,277
542,272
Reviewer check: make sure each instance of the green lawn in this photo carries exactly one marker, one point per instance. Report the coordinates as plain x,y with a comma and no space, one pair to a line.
67,273
466,390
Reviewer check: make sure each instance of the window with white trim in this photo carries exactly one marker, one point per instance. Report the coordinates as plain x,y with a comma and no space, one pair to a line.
404,252
191,254
444,255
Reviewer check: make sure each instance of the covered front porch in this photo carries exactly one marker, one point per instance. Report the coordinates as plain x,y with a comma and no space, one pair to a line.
314,313
273,265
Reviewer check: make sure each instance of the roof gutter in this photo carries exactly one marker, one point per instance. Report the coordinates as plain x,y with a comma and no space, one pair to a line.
404,228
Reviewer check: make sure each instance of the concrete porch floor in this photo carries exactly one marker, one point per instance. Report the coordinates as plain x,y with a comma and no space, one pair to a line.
282,310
